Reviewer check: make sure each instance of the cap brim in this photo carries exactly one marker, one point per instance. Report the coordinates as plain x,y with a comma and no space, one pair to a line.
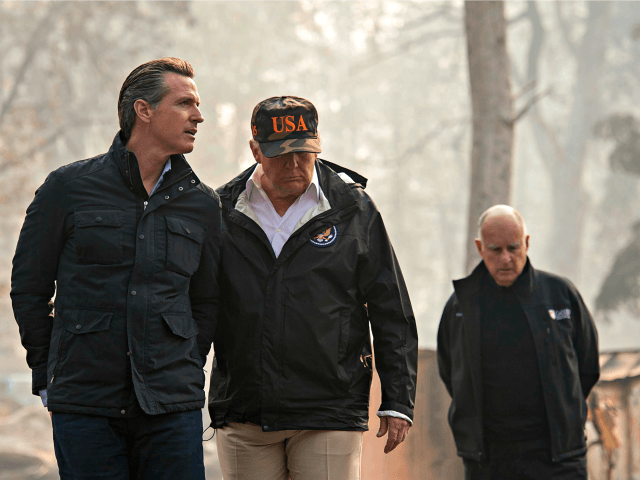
281,147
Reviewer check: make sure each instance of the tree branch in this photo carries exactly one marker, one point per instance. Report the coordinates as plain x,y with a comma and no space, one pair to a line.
532,101
403,47
35,44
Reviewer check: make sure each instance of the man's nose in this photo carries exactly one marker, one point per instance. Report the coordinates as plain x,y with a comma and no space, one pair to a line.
196,116
294,161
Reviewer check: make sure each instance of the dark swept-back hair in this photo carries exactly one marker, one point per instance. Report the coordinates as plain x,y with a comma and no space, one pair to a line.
147,82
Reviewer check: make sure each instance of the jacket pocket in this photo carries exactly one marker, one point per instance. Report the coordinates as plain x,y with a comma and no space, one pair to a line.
184,244
82,345
184,327
87,321
181,325
98,236
173,368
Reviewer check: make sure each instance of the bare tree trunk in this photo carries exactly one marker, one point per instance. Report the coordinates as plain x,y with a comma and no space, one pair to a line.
492,105
569,197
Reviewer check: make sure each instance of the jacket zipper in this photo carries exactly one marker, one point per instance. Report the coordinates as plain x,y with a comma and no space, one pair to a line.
162,187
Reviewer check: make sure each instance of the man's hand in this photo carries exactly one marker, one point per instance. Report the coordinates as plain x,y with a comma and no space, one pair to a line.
398,430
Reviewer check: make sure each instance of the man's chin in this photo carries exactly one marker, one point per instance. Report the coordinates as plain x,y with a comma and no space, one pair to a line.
188,148
505,279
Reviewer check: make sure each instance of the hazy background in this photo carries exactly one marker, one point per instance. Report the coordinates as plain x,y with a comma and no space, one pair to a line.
390,82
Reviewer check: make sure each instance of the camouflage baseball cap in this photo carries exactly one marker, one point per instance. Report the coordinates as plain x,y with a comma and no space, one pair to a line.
285,124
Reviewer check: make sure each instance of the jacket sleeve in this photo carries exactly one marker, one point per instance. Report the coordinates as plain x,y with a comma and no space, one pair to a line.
33,276
203,289
444,344
395,336
585,342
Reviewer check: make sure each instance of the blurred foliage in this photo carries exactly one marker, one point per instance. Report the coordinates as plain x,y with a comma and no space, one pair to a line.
55,60
623,130
621,287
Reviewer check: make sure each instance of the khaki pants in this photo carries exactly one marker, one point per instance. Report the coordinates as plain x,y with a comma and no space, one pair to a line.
248,453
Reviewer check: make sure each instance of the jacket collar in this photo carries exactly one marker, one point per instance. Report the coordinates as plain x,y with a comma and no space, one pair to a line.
523,286
335,189
128,166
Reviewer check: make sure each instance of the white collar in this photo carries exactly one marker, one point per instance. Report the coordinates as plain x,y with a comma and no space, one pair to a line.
254,181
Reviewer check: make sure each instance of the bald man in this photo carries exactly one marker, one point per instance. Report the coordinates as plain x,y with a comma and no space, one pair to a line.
518,353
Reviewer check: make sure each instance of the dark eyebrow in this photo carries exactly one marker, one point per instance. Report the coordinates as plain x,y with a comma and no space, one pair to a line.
189,97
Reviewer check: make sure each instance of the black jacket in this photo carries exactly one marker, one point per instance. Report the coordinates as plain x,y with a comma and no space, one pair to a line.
292,344
567,351
136,288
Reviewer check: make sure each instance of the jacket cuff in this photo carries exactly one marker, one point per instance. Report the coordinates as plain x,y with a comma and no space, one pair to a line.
393,413
38,379
397,407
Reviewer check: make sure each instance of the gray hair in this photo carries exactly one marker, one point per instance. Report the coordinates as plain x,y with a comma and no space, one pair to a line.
147,82
497,210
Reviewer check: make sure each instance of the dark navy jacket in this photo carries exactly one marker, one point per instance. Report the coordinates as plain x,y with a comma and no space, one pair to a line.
292,345
135,288
566,343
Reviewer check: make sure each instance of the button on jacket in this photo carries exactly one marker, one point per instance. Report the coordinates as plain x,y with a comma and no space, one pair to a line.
566,344
135,287
292,344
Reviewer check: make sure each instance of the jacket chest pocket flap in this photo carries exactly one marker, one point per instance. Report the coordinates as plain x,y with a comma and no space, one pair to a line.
98,236
184,244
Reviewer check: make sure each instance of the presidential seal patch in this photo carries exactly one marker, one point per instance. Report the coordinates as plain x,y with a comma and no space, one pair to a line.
325,238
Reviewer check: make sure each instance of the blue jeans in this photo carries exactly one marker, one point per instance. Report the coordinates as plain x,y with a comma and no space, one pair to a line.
147,447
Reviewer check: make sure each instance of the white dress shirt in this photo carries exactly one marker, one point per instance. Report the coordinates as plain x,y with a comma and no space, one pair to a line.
255,204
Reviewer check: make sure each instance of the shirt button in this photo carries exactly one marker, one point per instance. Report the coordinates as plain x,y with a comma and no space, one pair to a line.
98,219
278,230
166,197
78,327
123,411
188,231
265,428
133,292
141,237
129,353
180,188
193,181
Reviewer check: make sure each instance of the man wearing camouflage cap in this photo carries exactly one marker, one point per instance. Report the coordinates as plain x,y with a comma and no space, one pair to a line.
306,268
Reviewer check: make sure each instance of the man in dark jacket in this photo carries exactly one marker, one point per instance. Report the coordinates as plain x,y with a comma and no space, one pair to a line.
129,243
518,353
306,269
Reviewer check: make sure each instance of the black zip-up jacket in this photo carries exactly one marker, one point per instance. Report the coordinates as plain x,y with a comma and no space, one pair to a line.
566,344
136,287
292,345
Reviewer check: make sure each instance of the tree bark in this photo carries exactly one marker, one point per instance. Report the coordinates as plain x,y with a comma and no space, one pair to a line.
492,108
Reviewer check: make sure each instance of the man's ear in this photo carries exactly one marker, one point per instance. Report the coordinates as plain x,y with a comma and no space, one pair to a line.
253,145
479,246
526,242
144,112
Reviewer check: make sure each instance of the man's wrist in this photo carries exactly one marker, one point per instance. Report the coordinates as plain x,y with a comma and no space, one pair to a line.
393,413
